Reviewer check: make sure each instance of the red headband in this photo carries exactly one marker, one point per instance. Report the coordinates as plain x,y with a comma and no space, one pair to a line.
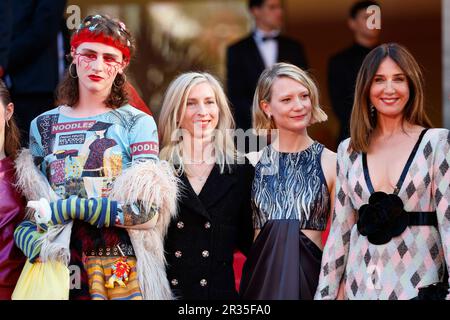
86,35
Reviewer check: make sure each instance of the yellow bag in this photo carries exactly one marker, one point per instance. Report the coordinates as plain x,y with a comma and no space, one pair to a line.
43,281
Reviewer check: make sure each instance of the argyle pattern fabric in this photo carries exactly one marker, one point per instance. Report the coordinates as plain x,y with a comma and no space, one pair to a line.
412,260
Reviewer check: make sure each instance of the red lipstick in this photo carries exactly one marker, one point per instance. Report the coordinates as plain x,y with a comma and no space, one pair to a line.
95,78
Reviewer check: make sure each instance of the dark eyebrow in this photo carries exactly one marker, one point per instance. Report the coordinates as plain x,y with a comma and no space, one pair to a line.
395,75
111,55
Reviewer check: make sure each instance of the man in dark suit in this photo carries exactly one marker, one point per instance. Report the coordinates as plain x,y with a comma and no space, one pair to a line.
247,58
5,34
32,67
344,66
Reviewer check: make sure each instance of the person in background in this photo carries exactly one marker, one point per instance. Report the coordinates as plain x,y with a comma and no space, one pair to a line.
343,67
5,34
32,67
261,49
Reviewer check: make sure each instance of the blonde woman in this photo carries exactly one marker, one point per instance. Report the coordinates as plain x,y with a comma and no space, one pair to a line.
390,234
214,217
293,189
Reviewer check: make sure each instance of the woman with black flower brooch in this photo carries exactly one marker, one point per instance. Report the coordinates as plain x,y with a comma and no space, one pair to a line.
390,234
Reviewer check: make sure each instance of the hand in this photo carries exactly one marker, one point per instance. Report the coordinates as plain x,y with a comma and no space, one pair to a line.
43,212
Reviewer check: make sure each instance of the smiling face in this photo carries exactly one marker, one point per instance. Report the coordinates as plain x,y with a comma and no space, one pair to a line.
201,114
97,65
290,105
389,92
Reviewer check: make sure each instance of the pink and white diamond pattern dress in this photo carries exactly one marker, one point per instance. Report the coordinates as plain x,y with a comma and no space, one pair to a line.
414,259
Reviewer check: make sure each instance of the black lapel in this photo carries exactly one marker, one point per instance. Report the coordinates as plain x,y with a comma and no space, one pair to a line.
217,186
256,55
281,50
190,200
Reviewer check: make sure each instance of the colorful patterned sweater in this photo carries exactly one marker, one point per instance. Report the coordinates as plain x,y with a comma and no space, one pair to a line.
416,258
81,158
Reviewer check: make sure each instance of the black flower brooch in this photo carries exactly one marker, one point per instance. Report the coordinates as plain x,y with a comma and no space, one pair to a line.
382,218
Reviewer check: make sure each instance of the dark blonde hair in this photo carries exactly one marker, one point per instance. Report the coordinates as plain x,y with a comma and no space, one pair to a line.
68,91
263,92
362,123
12,133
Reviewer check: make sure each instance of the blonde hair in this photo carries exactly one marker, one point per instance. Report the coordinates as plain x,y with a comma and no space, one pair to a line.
263,92
362,123
173,110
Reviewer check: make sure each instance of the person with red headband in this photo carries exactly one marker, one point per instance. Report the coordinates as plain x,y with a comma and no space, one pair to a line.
105,197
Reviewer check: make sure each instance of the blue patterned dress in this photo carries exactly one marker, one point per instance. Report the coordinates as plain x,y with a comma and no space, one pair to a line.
289,194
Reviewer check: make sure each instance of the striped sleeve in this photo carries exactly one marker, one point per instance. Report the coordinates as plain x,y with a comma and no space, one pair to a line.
27,238
99,212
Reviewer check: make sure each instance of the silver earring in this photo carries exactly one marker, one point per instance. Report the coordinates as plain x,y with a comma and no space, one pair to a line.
70,71
119,82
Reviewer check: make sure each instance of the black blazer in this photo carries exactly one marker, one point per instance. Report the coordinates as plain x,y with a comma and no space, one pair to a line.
244,66
208,229
5,30
32,61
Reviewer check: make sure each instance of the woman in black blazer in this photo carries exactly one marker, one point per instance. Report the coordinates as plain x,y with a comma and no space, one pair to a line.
214,210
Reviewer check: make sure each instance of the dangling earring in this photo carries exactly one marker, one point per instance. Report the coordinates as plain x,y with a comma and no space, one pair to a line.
7,123
70,71
269,116
372,111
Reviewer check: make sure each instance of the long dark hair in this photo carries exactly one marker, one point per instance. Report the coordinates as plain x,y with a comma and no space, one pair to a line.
68,92
12,133
361,123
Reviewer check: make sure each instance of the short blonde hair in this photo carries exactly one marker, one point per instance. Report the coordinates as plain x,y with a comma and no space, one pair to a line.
263,92
173,110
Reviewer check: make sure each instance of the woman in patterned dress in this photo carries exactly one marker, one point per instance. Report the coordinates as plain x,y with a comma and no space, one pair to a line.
292,190
390,233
